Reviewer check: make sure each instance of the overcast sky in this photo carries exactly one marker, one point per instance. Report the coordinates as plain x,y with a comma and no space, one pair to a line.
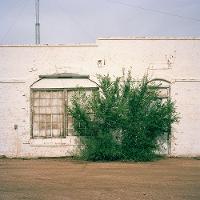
82,21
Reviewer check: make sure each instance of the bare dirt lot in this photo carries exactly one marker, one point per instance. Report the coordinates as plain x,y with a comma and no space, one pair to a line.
177,179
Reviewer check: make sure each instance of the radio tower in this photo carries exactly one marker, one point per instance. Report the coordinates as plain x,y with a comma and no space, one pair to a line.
37,23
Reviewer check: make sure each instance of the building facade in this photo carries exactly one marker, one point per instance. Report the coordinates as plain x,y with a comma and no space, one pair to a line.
31,102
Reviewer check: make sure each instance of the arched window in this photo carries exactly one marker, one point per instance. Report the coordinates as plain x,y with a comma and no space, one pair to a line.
163,86
49,97
164,93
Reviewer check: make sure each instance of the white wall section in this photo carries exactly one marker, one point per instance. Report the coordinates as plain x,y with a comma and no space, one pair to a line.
176,60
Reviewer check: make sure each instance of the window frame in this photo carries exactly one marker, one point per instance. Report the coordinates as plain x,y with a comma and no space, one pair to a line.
168,88
65,113
162,88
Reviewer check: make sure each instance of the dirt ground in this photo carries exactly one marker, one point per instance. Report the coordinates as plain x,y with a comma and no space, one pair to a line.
57,179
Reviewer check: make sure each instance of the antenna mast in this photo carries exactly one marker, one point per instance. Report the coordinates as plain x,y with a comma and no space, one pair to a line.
37,24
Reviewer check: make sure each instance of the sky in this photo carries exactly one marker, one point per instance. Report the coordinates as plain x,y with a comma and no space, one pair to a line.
83,21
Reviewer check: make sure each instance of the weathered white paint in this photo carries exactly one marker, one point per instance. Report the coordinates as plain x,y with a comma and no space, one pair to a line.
174,59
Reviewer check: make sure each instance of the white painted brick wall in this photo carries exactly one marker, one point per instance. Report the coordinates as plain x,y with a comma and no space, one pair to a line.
171,59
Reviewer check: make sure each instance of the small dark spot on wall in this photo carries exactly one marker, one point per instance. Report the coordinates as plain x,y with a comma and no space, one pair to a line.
15,126
101,63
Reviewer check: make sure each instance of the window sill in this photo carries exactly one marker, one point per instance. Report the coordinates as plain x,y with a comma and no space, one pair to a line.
55,142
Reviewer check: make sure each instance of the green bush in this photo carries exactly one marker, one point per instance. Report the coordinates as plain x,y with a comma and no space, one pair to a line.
122,120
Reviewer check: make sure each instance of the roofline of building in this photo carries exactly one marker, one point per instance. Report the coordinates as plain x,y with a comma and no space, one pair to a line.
100,39
151,38
49,45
